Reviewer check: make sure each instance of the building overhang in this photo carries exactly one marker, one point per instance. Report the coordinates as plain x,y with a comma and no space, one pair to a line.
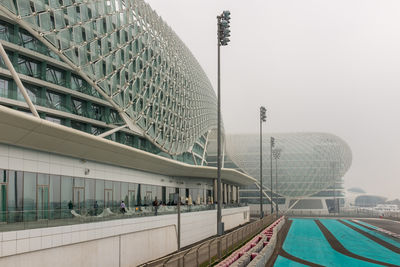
21,129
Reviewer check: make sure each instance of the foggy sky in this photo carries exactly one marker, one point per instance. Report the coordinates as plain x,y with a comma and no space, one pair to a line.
320,66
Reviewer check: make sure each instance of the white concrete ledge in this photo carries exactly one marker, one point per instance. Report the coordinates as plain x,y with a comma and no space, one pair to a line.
154,232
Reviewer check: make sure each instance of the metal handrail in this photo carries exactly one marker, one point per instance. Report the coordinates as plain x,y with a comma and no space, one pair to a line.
250,229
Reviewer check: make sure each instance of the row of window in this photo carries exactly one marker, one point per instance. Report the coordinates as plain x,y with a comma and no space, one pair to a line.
40,69
27,196
12,33
55,100
46,97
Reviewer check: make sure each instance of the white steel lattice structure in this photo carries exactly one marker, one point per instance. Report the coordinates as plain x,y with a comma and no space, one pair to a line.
308,163
132,58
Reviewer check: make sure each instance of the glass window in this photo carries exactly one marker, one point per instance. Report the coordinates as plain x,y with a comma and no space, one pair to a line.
43,179
100,194
132,195
114,117
55,75
54,100
117,194
90,195
108,185
78,125
15,197
98,112
5,30
29,196
29,67
97,130
124,193
33,93
55,196
79,182
81,85
4,87
77,83
3,196
3,177
54,119
129,140
170,200
30,42
66,196
78,107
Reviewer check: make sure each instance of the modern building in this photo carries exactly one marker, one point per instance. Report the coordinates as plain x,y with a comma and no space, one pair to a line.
101,102
307,170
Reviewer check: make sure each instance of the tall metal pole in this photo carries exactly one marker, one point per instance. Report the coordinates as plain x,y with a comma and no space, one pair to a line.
334,189
272,145
219,212
261,177
276,187
179,222
223,34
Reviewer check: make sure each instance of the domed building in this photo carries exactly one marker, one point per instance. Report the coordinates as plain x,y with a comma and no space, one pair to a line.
307,169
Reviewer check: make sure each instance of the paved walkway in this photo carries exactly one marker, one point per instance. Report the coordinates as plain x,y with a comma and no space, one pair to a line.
392,226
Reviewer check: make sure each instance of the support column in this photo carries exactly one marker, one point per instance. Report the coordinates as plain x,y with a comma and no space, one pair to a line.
214,191
225,193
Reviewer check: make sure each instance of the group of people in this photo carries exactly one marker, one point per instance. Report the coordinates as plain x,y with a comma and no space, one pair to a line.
122,207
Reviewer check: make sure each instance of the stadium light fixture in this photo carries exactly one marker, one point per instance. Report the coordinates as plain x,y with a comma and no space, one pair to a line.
223,33
272,144
277,154
263,118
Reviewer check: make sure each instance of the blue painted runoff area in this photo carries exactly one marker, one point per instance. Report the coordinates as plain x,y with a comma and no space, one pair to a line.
283,262
367,224
376,234
360,244
305,241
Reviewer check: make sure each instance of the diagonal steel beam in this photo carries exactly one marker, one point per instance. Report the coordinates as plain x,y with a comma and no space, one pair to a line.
110,132
17,80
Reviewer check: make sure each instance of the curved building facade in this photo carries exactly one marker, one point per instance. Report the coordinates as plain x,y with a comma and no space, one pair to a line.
306,165
129,67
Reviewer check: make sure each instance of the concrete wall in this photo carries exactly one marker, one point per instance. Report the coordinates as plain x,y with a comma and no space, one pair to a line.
126,242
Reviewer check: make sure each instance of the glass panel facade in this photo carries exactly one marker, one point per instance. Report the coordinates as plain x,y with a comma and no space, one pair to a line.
28,197
4,83
100,194
55,196
54,100
55,75
66,196
29,67
15,197
90,194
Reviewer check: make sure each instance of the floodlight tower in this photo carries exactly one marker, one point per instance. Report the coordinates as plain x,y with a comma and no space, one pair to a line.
277,154
271,146
223,22
263,118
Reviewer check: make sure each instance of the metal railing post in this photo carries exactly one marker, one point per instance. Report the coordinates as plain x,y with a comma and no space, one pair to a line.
197,256
209,253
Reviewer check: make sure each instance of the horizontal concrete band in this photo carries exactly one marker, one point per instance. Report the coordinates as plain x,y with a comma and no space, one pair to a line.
21,129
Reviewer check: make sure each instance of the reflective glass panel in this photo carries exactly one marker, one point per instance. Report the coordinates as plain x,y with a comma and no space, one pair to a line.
29,196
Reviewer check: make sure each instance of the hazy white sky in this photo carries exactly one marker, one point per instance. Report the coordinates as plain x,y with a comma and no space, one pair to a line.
324,66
